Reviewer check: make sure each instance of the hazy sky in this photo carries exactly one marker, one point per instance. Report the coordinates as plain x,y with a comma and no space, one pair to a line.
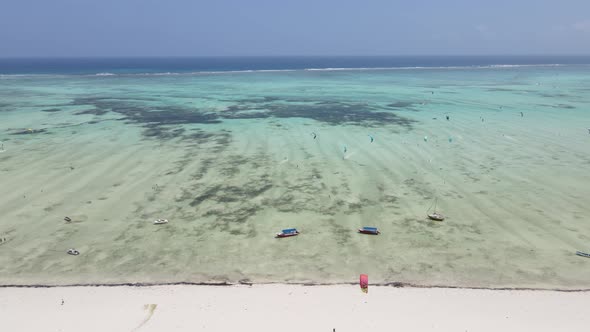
298,27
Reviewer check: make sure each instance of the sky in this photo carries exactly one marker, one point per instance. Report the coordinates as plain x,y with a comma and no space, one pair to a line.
299,27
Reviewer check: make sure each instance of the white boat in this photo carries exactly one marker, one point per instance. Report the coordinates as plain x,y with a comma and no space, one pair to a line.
73,252
435,215
160,221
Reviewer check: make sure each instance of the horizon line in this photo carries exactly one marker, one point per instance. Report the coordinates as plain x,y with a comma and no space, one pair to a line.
288,55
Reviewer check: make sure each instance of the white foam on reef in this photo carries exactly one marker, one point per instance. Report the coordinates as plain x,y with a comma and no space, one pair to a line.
250,71
245,71
517,66
429,68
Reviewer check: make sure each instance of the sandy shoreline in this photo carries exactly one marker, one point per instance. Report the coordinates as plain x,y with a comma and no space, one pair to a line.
289,308
246,283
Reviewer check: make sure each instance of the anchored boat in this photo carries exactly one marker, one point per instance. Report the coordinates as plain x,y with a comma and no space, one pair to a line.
435,215
369,230
288,232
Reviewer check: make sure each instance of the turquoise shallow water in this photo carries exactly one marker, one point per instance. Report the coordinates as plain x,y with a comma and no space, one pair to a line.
230,158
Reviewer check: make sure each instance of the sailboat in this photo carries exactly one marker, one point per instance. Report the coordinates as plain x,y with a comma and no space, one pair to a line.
435,215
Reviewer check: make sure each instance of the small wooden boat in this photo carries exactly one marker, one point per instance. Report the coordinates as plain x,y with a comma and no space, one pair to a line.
288,232
583,254
436,216
369,230
73,252
160,221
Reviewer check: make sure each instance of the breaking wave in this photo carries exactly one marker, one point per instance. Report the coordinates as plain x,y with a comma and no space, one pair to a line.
250,71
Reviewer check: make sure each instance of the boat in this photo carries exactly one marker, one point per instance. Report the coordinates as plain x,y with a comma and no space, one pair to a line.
73,252
288,232
369,230
583,254
160,221
435,215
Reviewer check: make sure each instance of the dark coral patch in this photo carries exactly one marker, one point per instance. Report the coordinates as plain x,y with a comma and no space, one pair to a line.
28,131
326,111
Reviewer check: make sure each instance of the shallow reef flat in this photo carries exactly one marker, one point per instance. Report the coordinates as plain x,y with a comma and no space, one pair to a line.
230,159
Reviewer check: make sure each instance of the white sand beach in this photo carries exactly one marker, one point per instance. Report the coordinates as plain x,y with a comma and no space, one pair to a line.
342,308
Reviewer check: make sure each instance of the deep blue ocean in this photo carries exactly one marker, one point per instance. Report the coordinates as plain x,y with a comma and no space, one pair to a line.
88,66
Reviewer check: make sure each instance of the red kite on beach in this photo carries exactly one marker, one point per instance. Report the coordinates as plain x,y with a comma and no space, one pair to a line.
364,283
